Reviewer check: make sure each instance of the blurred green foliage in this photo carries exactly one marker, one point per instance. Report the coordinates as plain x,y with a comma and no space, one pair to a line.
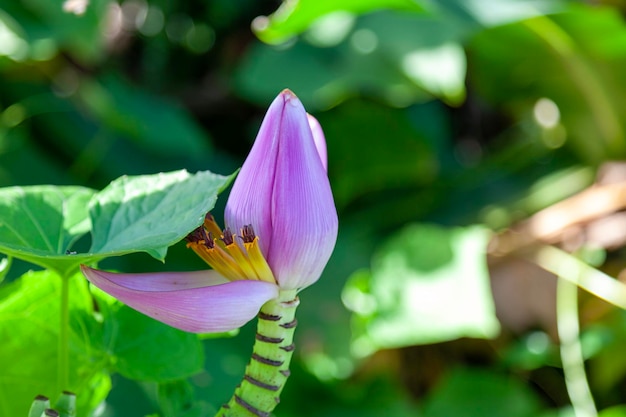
445,121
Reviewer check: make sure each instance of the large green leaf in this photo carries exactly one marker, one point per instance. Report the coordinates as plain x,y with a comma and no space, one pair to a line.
427,284
148,350
40,223
29,332
145,213
151,212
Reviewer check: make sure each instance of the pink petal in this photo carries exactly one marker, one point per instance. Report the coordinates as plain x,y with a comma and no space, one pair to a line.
283,191
319,139
304,217
249,201
198,302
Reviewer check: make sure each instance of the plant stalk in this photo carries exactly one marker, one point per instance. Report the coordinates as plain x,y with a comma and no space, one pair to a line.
259,391
571,350
64,324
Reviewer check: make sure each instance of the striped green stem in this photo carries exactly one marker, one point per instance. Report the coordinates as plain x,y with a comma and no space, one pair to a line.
266,374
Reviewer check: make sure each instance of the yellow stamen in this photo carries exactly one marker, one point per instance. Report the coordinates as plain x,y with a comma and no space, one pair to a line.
232,260
263,270
219,260
242,260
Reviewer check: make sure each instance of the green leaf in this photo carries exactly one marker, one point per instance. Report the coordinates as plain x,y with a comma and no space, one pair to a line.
148,350
293,18
40,223
427,284
148,213
29,332
473,392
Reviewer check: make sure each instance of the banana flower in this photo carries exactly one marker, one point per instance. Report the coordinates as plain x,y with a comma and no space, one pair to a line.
281,230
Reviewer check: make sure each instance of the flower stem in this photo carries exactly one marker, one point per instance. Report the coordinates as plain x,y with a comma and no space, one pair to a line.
571,350
259,391
64,324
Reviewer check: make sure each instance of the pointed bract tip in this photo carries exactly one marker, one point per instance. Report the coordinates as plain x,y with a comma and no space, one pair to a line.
289,97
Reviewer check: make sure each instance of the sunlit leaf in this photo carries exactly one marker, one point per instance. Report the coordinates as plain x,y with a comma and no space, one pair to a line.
151,212
427,284
145,213
40,223
29,332
294,17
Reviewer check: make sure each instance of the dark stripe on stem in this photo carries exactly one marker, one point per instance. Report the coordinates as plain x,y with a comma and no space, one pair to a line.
261,384
292,303
251,408
268,339
293,323
288,348
269,317
266,361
